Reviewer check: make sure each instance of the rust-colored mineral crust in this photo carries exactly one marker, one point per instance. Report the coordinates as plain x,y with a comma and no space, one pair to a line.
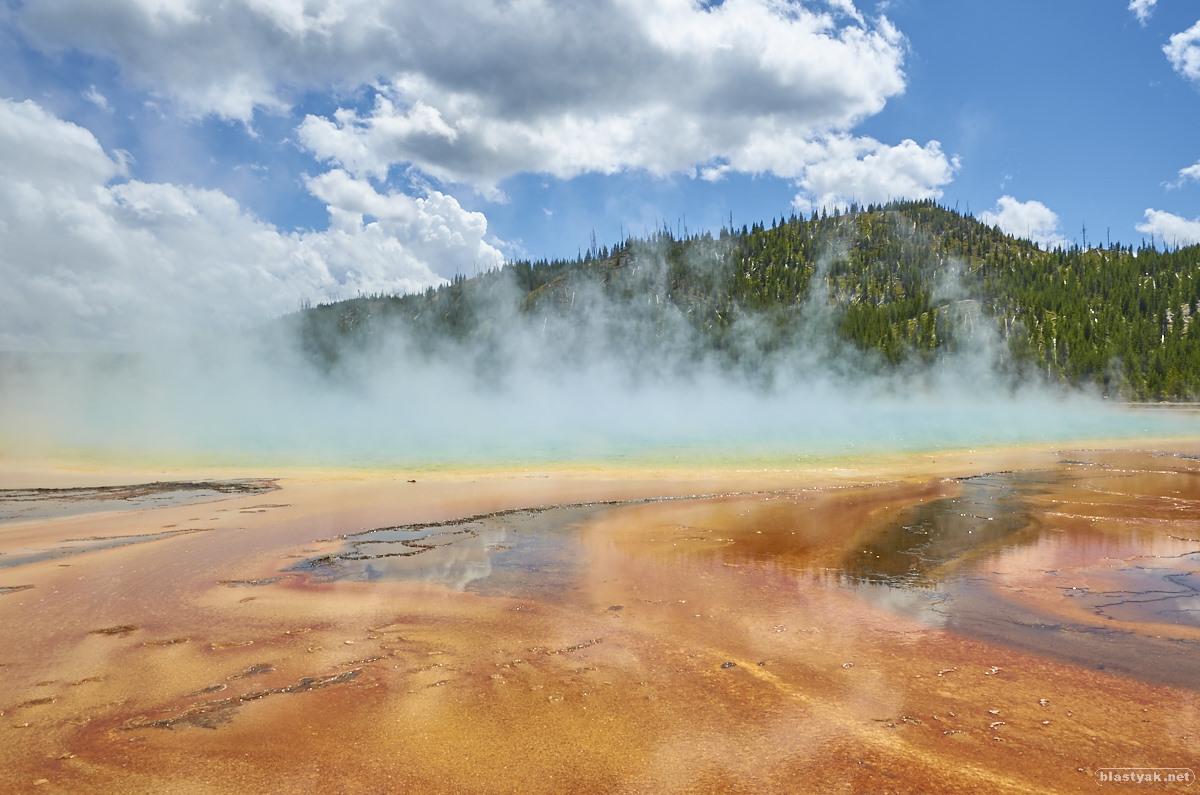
1009,623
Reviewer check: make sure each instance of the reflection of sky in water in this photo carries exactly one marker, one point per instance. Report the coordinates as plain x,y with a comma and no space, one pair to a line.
939,563
1149,593
955,563
929,552
450,560
79,546
906,565
915,604
513,553
929,542
44,503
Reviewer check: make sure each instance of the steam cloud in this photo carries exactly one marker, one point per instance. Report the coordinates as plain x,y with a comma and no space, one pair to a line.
604,381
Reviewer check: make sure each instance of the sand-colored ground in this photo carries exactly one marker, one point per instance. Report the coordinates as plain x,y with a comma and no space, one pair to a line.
714,643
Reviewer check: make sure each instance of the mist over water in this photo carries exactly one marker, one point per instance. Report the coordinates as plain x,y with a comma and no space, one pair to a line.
607,382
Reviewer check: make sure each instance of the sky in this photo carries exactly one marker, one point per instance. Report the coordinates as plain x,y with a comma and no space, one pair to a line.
168,166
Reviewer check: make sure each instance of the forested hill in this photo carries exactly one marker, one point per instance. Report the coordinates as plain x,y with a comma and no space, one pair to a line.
897,286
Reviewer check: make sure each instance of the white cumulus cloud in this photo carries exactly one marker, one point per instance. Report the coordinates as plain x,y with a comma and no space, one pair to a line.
1183,51
1029,220
847,169
1186,175
89,255
475,91
454,93
1142,9
662,86
1170,230
437,232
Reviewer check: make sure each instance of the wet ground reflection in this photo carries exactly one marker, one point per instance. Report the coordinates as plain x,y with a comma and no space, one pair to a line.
32,504
523,553
1093,562
1005,632
929,542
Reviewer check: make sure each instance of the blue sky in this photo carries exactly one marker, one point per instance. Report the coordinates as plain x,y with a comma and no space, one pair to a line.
167,165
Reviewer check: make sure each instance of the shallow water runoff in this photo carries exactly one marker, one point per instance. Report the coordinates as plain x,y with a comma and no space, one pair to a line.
1095,561
992,631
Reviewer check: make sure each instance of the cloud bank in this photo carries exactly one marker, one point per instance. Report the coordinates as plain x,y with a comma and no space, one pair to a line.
449,96
92,258
538,65
472,92
660,86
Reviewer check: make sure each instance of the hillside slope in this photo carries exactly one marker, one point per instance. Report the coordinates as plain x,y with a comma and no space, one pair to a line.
897,287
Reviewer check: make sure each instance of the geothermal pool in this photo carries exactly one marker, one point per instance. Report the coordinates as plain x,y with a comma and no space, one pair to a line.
1001,622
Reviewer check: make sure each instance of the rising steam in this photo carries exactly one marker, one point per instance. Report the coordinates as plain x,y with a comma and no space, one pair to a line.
575,376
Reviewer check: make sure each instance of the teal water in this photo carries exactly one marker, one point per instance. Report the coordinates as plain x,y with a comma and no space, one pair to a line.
776,438
431,418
